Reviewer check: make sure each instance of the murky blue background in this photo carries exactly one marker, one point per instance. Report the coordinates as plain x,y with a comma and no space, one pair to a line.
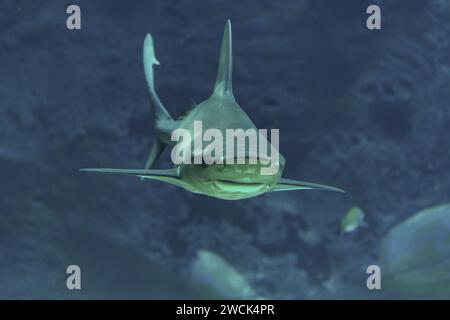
364,110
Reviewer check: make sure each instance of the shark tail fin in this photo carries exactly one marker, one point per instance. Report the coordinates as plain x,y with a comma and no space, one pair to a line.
162,117
289,184
150,60
223,84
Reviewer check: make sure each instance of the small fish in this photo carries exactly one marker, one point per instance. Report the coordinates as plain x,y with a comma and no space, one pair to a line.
352,220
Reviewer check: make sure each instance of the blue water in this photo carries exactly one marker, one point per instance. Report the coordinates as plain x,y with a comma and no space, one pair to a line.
365,110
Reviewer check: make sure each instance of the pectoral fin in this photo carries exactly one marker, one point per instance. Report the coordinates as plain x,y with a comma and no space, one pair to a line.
170,175
289,184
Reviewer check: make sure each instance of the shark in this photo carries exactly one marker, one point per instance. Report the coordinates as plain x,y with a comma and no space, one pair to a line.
229,181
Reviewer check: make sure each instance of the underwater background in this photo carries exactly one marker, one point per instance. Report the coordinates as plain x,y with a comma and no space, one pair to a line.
364,110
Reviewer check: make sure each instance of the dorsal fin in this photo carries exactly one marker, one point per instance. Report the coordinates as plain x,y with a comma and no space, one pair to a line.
223,84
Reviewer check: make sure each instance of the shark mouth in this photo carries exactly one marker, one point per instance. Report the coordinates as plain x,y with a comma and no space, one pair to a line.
239,186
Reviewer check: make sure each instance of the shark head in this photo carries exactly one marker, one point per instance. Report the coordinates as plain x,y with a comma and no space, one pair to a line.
232,180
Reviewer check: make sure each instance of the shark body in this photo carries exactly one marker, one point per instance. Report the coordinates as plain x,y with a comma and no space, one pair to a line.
220,111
